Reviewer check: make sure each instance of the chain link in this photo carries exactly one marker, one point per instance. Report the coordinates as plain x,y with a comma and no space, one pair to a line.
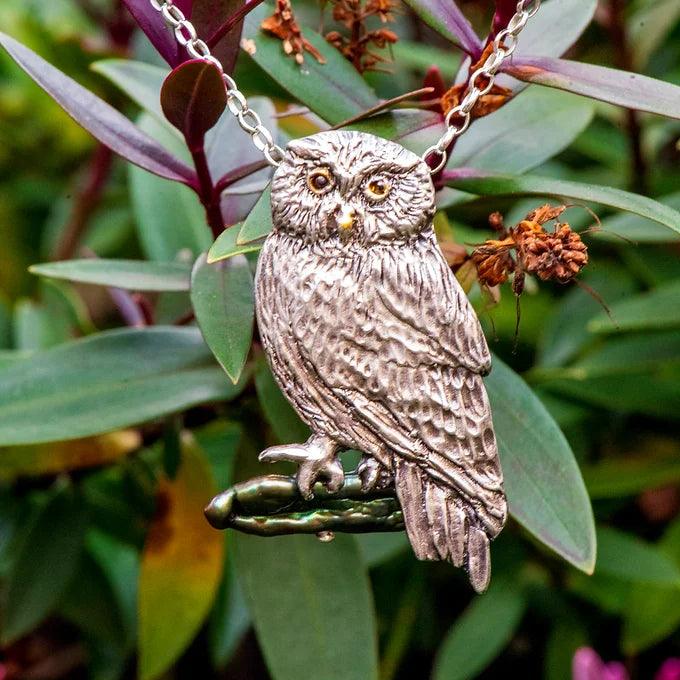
248,119
504,45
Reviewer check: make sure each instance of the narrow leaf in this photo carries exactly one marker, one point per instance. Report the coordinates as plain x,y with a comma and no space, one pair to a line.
56,457
259,221
99,118
298,590
170,219
627,557
128,274
532,128
484,183
638,230
107,381
284,421
653,611
45,561
222,297
481,632
657,309
226,246
447,19
555,28
160,35
181,566
631,90
334,90
546,493
141,82
193,98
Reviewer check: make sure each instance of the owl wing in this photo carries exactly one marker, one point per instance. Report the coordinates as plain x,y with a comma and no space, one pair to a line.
405,355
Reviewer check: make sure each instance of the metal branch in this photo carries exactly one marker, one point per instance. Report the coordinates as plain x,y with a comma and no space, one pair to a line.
272,506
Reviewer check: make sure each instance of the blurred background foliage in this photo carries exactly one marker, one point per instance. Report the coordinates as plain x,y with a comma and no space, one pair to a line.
108,568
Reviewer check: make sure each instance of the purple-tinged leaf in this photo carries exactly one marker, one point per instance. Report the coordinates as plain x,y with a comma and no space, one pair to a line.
445,17
504,12
109,126
152,23
209,16
489,184
630,90
193,98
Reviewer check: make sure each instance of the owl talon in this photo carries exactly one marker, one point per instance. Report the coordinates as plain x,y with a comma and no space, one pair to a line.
317,462
373,475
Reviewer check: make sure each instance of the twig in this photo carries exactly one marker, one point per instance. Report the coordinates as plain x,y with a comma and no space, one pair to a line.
378,108
272,506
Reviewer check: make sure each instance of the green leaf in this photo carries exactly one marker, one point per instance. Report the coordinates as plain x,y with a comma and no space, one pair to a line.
653,612
141,82
657,309
553,30
334,90
489,184
532,128
259,222
635,373
128,274
169,218
230,618
181,566
283,419
649,25
633,228
481,632
565,638
45,562
107,381
222,297
303,594
37,327
226,245
565,332
627,557
545,490
621,477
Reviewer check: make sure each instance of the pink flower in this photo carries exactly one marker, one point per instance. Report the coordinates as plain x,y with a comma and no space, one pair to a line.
670,670
587,665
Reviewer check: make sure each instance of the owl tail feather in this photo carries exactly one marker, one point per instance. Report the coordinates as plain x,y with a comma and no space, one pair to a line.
438,525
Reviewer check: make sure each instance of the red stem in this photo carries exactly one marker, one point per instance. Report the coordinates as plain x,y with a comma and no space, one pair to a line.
206,191
232,21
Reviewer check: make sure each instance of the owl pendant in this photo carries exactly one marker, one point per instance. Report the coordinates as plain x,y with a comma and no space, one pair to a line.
374,343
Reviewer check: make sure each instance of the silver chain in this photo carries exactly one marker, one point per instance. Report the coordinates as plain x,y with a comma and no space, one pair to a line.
248,119
504,45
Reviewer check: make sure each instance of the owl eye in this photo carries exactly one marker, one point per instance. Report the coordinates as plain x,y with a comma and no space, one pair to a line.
377,189
320,180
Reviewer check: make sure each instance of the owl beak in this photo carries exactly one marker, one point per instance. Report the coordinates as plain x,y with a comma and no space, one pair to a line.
346,217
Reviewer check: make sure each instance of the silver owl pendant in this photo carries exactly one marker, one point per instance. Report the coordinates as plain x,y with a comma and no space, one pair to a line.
375,345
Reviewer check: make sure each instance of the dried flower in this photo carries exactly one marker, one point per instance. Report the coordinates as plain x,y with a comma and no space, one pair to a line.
559,255
487,103
283,25
494,262
356,47
552,256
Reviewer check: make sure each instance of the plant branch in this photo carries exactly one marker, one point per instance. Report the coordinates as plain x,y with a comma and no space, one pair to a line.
272,506
85,202
624,60
206,191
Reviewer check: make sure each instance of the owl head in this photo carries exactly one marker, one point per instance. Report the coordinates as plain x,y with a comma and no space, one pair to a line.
351,187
